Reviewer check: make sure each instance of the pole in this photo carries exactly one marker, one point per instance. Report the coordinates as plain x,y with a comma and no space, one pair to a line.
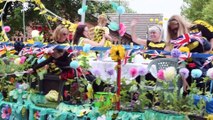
83,15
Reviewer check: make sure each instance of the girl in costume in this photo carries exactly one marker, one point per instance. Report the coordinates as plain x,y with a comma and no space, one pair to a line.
101,29
178,35
81,37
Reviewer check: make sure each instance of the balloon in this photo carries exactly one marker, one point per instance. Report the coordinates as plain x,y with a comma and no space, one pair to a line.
86,48
113,26
84,8
7,28
122,29
74,64
114,5
120,10
80,11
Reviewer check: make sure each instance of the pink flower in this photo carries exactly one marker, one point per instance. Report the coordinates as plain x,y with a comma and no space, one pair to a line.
7,28
160,74
133,72
122,29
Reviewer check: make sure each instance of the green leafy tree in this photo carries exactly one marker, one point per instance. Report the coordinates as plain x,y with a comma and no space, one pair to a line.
198,9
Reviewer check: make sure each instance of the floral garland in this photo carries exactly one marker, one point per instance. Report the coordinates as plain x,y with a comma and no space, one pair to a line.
117,53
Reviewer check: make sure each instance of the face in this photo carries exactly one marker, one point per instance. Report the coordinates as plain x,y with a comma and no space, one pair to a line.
174,26
155,36
86,32
64,36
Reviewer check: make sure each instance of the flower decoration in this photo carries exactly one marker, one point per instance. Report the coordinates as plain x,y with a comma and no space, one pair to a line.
74,64
23,58
117,53
7,28
82,10
35,33
170,73
133,72
110,72
209,73
160,74
175,53
142,71
122,29
96,72
114,5
6,112
191,65
184,72
196,73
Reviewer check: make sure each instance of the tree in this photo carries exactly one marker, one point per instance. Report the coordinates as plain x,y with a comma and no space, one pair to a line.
198,9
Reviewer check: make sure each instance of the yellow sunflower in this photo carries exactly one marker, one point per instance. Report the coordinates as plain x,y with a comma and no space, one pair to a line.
117,52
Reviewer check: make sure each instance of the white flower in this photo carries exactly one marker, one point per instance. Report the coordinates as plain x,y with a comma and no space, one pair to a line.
170,73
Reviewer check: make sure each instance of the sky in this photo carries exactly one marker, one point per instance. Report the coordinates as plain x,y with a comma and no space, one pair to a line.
167,7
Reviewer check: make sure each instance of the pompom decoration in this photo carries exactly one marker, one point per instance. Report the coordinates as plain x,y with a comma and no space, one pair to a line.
114,5
160,74
7,28
196,73
133,72
175,53
209,73
113,26
110,72
80,11
120,10
23,58
142,71
74,64
41,60
96,72
184,72
84,8
170,73
35,33
122,29
17,61
86,48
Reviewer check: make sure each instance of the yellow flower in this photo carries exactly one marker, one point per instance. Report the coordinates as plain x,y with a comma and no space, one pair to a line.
37,8
184,49
117,53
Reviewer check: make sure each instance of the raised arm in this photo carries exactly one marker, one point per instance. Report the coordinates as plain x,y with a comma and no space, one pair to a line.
133,34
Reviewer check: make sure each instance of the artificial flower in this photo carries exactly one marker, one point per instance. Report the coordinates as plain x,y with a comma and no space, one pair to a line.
196,73
117,53
142,71
35,33
191,65
110,71
7,28
96,72
170,73
160,74
184,72
175,53
17,61
6,112
209,73
74,64
133,72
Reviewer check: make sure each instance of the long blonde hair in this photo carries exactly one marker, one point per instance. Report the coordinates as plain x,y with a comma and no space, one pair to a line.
59,31
184,27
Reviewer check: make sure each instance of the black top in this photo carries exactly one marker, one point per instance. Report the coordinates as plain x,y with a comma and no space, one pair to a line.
204,30
155,45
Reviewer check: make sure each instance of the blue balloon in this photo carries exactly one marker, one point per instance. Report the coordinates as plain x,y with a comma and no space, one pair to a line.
114,5
113,26
84,8
80,11
120,10
86,48
74,64
196,73
41,60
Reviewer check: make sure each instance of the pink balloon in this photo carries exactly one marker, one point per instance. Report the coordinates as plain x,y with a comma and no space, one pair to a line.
7,28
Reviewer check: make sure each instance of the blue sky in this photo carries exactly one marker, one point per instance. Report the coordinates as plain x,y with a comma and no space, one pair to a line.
167,7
